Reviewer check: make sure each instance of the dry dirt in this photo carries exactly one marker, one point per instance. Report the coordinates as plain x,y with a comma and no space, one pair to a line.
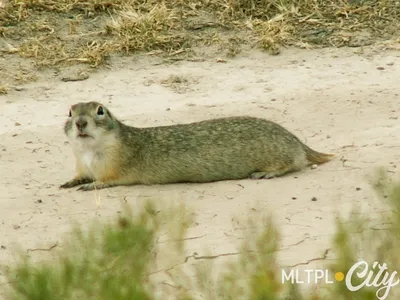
339,101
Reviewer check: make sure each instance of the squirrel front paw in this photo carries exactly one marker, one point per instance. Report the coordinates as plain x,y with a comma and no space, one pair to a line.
75,182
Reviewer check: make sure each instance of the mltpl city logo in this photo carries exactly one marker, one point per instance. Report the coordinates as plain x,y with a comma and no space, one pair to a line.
375,275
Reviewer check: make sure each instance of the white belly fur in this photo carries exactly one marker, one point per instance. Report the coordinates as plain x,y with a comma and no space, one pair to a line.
87,159
88,155
92,155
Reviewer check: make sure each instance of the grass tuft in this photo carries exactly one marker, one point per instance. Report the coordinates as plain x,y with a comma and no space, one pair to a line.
4,89
154,30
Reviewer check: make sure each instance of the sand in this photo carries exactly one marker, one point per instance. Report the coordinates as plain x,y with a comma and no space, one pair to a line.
338,101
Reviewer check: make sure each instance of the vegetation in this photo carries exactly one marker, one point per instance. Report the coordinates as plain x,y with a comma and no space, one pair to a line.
54,32
118,260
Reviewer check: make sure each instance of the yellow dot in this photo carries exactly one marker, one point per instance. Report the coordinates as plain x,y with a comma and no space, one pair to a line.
339,276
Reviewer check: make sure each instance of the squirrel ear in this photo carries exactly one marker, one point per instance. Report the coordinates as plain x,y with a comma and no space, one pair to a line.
100,110
69,113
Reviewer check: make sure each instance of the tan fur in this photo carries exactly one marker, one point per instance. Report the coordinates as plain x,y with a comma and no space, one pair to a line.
110,153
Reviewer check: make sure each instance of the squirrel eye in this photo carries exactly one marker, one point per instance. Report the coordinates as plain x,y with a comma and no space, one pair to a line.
70,114
100,111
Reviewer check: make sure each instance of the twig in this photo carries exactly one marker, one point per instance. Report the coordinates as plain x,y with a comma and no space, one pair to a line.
325,256
43,249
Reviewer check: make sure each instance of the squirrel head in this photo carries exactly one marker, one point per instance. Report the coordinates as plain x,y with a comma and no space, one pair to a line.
89,121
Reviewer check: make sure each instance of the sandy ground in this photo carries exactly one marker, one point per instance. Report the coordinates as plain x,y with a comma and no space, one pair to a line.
337,101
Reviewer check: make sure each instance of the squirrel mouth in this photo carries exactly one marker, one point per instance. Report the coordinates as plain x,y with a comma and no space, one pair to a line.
83,135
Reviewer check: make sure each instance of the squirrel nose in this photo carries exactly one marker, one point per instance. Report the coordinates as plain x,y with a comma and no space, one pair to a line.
81,124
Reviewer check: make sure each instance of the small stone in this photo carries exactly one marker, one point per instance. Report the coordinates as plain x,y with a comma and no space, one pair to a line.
314,166
358,189
17,124
314,199
294,198
380,68
79,76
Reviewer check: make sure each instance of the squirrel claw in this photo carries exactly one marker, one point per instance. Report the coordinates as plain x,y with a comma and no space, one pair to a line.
86,187
68,185
75,182
93,186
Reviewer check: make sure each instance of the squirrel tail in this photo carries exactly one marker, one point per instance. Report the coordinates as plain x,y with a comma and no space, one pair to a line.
315,157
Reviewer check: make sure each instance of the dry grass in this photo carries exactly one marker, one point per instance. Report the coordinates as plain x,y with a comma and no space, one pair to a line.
157,29
179,83
3,90
55,32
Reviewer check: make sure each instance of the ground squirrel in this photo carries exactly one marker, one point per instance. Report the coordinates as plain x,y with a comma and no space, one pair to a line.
109,153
